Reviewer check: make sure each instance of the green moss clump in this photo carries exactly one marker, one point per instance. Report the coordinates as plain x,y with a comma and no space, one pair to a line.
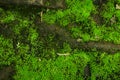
76,11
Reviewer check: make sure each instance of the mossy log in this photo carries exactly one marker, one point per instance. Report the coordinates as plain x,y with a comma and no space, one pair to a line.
40,3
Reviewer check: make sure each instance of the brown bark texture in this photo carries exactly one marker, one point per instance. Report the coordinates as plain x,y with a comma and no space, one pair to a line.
40,3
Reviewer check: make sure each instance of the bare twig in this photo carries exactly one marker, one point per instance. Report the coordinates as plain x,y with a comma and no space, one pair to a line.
65,54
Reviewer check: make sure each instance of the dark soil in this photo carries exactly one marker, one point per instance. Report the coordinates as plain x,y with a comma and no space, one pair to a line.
7,72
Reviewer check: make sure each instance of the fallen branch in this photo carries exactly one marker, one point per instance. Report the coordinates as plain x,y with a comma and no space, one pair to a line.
64,36
100,46
53,4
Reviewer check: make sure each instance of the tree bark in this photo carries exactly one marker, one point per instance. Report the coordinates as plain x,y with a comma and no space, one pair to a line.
40,3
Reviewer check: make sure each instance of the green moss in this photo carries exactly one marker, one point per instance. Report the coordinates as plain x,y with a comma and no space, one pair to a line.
34,54
63,67
109,11
78,11
7,55
107,67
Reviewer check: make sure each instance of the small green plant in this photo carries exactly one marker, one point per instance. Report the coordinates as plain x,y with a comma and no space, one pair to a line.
8,18
106,67
7,55
78,11
108,11
86,37
63,67
76,32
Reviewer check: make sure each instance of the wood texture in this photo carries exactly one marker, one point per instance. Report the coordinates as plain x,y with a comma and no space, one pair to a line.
41,3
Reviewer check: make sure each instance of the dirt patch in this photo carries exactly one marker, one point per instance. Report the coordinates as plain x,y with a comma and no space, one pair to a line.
7,72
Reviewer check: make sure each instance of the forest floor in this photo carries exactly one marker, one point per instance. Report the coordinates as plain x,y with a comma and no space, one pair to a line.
60,43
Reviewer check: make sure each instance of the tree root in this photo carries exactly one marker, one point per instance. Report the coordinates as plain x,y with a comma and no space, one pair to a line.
64,36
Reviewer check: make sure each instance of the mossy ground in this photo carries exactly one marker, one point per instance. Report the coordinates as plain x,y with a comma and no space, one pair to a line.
33,55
